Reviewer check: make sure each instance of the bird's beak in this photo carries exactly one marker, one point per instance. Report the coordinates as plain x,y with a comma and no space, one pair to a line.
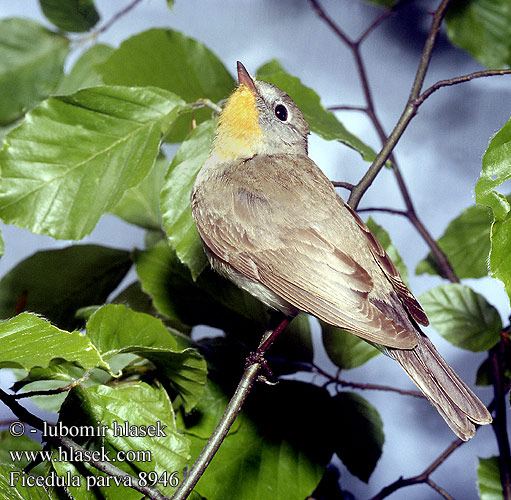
245,79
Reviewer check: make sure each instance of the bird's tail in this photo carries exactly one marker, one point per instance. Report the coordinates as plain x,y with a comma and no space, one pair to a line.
457,404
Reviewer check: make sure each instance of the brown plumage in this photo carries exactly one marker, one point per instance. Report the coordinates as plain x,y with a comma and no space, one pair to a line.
271,221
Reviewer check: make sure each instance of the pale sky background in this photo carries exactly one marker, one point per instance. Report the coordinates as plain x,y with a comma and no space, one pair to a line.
440,157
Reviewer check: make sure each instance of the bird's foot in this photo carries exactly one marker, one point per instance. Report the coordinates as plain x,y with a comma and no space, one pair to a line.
257,357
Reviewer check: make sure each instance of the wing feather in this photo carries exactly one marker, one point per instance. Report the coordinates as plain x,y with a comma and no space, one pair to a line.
322,260
388,267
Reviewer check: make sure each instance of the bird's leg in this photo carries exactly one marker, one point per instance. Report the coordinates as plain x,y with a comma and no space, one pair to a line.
270,335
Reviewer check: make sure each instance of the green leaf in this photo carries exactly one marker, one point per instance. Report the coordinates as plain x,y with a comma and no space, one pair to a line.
293,344
75,16
137,406
383,237
140,205
7,128
466,243
483,376
116,329
500,256
462,316
482,28
83,74
55,283
202,421
322,122
360,437
27,341
20,443
164,279
496,170
133,297
2,246
175,197
16,491
74,156
184,371
345,349
177,63
31,63
269,457
216,302
488,479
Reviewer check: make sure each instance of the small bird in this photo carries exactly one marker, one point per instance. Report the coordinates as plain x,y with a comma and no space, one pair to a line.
272,222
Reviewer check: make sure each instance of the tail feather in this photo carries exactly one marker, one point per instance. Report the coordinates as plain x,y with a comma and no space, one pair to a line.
455,402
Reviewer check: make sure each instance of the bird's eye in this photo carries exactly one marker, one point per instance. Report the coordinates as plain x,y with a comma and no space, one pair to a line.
281,112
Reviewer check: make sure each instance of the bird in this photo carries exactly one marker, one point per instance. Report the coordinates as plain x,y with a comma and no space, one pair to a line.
272,223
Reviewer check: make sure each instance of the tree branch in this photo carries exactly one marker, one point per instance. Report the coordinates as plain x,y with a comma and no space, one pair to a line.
388,143
106,467
423,477
254,365
408,113
443,261
497,364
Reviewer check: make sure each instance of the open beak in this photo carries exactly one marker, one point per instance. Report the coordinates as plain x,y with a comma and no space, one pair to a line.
245,79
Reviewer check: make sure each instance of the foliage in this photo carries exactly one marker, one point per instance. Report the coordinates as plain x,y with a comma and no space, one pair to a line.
91,142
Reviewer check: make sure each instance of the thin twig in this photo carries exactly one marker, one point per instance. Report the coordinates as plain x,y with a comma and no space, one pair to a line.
423,477
345,185
117,16
355,385
51,392
438,489
460,79
254,365
378,387
388,210
382,17
323,15
106,467
204,103
341,107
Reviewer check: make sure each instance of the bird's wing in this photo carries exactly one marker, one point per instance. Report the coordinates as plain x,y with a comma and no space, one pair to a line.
285,227
390,270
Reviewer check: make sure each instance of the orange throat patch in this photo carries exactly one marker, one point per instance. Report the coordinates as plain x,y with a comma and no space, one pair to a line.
239,134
